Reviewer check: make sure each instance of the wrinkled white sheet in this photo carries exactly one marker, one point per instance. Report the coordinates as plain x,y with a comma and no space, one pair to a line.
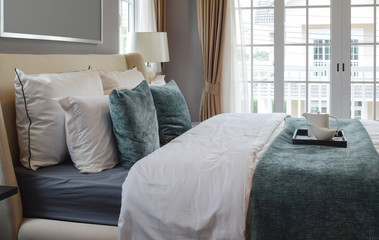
372,128
198,185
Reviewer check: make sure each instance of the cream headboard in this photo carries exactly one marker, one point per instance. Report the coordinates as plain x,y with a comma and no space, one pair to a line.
11,208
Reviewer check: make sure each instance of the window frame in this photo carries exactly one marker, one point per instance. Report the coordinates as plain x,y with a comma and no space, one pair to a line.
131,20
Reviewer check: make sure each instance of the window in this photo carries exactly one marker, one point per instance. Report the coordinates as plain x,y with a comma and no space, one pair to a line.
321,52
321,57
354,50
300,78
354,56
257,22
312,69
364,59
357,114
135,16
126,23
314,106
358,103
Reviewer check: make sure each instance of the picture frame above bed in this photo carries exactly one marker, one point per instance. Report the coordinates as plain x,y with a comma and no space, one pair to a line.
69,20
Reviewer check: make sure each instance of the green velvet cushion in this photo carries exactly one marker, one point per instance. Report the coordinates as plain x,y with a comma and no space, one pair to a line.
172,111
134,123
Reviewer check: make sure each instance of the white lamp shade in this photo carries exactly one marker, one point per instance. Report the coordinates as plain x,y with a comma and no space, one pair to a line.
152,45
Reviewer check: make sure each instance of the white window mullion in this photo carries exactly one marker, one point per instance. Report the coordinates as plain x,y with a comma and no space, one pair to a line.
279,56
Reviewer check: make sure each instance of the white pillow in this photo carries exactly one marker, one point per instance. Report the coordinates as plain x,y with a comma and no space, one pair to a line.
158,81
127,79
89,134
40,119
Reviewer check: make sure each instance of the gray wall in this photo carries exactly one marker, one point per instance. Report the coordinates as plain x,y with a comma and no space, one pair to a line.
185,65
110,43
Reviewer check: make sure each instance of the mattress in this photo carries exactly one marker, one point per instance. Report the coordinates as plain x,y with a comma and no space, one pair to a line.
62,193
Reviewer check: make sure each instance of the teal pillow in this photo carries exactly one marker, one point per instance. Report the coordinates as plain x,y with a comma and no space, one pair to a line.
172,111
135,123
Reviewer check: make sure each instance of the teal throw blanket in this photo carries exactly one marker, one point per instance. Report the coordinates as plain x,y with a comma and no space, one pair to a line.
317,192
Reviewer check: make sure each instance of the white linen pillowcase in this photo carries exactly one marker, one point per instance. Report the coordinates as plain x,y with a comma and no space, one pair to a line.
40,119
127,79
89,134
158,81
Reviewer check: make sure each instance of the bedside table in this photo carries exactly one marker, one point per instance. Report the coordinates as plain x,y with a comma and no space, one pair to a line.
6,191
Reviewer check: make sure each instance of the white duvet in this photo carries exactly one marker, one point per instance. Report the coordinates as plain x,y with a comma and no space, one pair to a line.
198,185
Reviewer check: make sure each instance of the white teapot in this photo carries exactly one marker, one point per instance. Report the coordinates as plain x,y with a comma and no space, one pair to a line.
318,125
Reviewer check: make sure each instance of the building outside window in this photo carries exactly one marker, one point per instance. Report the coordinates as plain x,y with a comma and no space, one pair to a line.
321,57
307,44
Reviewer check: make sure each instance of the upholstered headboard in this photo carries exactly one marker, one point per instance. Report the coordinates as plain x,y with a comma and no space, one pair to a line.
11,209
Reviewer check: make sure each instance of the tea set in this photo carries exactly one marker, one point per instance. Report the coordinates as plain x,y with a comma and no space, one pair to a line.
318,126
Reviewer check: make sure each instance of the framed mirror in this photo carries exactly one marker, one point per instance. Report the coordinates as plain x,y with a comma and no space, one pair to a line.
58,20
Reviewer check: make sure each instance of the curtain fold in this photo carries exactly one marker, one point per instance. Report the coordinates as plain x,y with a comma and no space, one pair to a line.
160,15
235,96
145,19
160,19
211,24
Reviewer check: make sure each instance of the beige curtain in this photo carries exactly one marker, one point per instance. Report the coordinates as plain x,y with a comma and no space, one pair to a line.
160,18
235,96
145,17
160,15
211,21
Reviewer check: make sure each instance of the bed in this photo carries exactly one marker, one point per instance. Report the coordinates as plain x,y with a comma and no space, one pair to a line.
201,185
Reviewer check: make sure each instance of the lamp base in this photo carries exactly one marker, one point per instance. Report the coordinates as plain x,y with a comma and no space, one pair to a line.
150,72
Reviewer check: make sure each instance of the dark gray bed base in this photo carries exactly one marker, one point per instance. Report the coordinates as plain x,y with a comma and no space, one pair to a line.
62,193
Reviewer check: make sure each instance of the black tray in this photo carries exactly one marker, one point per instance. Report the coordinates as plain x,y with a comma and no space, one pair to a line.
301,137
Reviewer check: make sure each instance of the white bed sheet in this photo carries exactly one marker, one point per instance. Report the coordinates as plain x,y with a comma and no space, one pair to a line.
372,127
197,186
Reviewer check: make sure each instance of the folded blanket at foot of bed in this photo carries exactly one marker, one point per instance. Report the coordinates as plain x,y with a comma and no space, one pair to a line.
317,192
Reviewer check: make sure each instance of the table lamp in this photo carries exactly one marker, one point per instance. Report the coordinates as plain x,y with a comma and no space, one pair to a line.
152,45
